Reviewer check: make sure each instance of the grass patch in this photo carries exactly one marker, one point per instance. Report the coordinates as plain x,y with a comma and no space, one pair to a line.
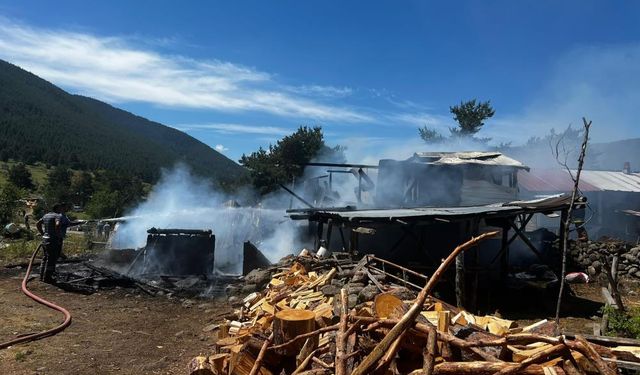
38,172
21,356
12,251
624,324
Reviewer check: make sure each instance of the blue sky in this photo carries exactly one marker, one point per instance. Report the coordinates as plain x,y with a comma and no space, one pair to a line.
239,75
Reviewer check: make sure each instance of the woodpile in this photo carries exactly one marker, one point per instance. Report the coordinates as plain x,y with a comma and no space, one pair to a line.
297,325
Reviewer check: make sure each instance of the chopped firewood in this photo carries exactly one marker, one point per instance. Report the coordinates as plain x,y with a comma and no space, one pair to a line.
329,316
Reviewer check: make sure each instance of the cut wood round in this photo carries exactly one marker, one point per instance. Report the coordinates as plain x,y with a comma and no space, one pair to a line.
387,305
288,324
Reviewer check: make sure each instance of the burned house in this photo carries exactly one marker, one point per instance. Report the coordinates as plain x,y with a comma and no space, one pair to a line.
428,204
448,179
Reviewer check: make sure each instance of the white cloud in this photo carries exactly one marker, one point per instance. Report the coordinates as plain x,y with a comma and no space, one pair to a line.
221,148
112,68
323,91
223,128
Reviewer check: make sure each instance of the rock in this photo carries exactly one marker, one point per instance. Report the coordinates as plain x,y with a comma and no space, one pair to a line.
368,293
638,274
597,265
594,257
187,303
235,301
330,290
354,288
591,271
259,277
179,333
232,290
403,293
353,301
210,327
337,283
187,282
249,288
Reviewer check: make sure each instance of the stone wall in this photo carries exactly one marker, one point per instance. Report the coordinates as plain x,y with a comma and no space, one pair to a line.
587,257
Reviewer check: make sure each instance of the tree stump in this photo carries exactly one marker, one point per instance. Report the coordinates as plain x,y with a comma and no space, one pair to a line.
288,324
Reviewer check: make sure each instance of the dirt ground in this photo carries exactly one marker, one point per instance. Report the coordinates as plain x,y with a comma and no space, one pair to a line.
117,331
123,331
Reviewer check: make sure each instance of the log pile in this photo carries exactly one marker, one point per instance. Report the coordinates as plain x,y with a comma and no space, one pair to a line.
296,325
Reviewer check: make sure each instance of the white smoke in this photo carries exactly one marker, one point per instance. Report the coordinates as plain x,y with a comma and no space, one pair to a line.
181,200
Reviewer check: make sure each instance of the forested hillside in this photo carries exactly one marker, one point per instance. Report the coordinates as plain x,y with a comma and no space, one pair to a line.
39,122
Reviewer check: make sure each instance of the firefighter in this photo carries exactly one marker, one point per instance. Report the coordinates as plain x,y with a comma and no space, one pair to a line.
50,228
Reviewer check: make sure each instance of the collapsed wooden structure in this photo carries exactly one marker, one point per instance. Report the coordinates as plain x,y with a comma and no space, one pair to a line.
418,233
302,323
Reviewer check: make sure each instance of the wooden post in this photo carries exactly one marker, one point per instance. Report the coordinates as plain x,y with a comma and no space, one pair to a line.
318,235
329,230
504,260
353,241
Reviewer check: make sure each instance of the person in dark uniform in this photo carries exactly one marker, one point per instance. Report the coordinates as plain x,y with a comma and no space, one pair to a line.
578,218
50,229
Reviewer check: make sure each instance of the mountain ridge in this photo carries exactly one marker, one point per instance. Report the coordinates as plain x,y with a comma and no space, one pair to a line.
41,122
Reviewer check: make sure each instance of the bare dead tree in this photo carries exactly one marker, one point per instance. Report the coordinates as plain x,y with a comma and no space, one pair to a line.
561,151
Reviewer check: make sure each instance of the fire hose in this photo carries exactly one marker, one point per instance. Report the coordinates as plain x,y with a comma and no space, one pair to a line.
43,334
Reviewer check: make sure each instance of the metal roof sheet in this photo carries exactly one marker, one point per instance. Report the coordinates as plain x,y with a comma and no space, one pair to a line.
467,157
612,181
550,181
551,203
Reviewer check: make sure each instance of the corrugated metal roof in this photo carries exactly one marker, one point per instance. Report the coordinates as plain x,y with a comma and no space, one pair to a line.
558,180
550,181
551,203
467,157
612,181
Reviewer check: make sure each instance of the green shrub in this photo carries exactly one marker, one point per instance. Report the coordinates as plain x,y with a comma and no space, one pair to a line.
625,324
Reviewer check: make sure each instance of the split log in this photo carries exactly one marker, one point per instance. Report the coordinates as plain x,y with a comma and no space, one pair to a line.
242,363
288,324
200,366
308,347
307,360
444,319
486,368
219,363
542,356
258,363
408,319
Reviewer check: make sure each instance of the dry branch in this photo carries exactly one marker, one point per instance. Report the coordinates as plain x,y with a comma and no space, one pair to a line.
408,319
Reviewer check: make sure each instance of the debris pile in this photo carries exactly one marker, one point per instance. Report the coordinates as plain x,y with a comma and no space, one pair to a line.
593,256
336,316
